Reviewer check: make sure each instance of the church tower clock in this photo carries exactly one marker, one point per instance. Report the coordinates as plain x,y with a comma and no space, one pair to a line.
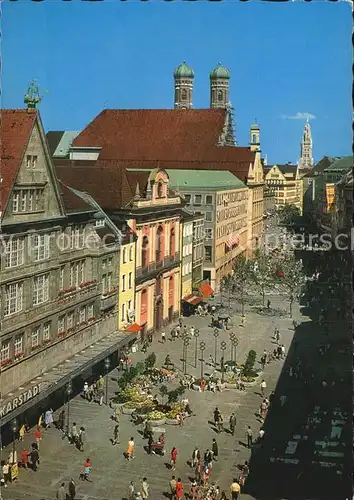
184,79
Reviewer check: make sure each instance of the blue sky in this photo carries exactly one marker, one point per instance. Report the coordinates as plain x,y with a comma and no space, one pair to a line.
284,59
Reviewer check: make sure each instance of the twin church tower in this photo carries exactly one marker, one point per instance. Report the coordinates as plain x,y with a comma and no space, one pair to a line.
219,87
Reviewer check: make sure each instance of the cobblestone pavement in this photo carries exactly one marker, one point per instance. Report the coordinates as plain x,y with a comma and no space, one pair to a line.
111,473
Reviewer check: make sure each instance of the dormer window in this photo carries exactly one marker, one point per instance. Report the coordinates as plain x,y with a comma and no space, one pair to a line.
160,190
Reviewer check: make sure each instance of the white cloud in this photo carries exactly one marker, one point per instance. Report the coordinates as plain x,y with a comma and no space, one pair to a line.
299,116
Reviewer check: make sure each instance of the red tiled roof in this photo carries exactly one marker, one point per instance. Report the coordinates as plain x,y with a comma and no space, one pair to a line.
16,128
161,134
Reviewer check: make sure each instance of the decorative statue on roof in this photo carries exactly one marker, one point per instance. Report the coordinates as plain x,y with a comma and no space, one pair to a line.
32,97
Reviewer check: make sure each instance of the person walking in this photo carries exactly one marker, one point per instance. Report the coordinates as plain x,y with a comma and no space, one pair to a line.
86,391
173,457
268,304
282,355
179,489
263,387
24,458
61,420
115,435
232,423
38,436
72,489
249,435
263,409
163,337
235,490
61,495
215,449
82,439
243,320
173,484
217,416
34,459
195,456
130,449
192,331
131,490
48,418
6,473
244,473
74,436
22,432
87,469
145,489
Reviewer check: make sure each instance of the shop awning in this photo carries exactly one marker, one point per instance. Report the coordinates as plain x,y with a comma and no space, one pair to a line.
134,328
193,299
232,241
206,290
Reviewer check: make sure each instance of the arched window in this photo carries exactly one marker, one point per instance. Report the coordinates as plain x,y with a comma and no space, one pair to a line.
160,190
124,255
159,236
220,96
145,252
172,242
184,94
254,138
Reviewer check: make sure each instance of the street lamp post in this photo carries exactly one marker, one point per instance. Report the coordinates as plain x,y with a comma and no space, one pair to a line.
235,344
223,347
14,430
202,347
196,335
69,390
232,337
216,335
184,337
107,365
186,344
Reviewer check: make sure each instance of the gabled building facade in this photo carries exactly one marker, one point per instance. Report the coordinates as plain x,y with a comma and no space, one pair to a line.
51,296
286,184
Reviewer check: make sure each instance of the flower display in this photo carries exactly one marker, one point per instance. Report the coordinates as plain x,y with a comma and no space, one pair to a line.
155,415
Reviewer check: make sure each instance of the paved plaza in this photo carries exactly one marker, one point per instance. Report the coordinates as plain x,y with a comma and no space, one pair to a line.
111,472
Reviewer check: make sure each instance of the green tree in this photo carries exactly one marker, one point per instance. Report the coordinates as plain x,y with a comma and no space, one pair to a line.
289,215
163,392
150,361
290,276
175,394
262,273
248,368
226,285
242,279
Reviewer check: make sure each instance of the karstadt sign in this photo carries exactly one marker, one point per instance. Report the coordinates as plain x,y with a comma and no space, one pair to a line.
20,400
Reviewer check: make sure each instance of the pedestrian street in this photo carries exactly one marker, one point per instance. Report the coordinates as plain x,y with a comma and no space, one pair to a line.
111,472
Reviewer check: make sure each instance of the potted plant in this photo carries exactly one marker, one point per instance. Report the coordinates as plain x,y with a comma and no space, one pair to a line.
156,417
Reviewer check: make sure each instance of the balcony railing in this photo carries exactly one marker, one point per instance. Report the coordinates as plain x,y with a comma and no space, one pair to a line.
109,300
154,267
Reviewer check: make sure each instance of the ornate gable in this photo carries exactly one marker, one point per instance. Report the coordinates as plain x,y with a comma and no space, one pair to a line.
34,193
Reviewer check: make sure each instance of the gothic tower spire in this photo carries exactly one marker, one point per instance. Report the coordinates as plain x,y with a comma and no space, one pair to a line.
219,87
184,78
306,160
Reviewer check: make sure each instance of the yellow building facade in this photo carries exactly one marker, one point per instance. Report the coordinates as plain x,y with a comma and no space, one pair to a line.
286,184
126,297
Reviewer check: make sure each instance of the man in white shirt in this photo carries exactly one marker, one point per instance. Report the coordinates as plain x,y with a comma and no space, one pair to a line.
263,387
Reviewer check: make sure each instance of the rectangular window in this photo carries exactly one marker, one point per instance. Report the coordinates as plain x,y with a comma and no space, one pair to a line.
15,202
13,298
82,315
31,162
23,207
208,233
61,324
208,216
208,253
130,281
124,312
40,289
35,337
5,352
90,311
110,261
70,320
61,277
187,197
46,331
30,200
41,247
109,282
130,305
18,345
208,199
198,199
14,253
104,284
77,273
131,249
124,255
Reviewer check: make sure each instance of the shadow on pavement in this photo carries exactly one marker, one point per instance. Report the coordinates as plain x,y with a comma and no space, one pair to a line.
306,452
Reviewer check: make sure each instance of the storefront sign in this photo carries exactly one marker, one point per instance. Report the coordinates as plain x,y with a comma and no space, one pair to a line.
20,400
14,472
